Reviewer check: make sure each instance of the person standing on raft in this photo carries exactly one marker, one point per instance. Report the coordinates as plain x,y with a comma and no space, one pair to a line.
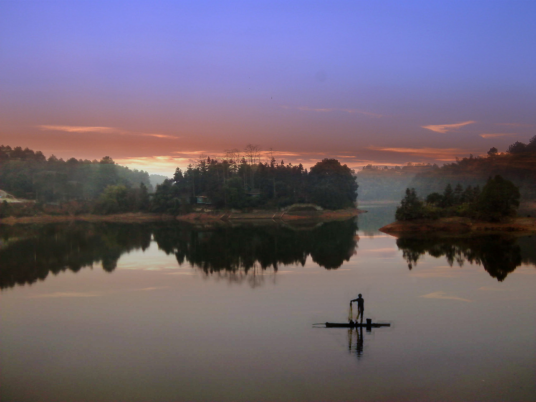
360,307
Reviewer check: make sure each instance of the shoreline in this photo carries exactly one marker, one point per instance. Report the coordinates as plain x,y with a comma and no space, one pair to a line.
194,217
460,226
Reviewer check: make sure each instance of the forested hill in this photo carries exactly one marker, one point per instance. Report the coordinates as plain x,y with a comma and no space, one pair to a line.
518,165
30,175
243,182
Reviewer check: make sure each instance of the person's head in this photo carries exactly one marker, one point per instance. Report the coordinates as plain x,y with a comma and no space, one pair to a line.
359,295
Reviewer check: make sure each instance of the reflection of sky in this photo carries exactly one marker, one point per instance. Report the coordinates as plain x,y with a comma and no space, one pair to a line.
156,84
142,333
152,259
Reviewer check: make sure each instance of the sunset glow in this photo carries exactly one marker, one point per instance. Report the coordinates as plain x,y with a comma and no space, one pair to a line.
159,86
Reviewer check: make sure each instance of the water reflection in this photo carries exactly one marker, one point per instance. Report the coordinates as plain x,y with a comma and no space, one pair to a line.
228,248
357,346
498,254
29,252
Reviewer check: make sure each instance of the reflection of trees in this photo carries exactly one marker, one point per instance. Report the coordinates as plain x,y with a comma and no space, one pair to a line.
246,248
527,245
29,253
246,253
498,254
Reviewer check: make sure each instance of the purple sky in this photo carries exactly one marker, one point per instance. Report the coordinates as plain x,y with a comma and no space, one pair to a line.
156,84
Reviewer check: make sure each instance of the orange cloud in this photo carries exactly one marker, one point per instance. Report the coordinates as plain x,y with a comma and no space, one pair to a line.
169,137
444,128
78,129
99,129
442,154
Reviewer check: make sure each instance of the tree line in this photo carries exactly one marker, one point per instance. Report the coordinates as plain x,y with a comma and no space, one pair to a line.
244,181
498,199
28,174
517,164
239,180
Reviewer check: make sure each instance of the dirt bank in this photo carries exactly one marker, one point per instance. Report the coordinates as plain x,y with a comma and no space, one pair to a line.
461,225
126,218
212,216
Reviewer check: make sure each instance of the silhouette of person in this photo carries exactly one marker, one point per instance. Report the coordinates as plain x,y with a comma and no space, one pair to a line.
359,341
360,307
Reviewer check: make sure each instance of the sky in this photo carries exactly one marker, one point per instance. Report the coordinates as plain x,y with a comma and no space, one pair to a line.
157,84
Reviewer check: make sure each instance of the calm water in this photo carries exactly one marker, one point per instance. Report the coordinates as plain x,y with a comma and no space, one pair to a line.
169,312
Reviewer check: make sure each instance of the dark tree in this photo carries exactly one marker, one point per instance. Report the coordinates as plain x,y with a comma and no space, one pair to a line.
434,199
411,207
531,146
493,151
332,185
517,148
499,199
448,197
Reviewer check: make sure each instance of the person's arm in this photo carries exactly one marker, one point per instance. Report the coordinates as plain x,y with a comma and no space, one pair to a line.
355,300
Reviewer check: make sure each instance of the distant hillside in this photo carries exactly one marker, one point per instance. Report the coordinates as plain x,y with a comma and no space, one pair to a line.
30,175
518,165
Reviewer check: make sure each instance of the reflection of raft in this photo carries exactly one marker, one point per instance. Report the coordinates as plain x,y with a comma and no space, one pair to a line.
368,324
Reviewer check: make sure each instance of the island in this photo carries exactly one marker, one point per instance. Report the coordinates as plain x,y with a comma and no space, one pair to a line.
463,211
241,186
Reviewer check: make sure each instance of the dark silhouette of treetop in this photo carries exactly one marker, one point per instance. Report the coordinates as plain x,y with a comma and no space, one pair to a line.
499,199
410,207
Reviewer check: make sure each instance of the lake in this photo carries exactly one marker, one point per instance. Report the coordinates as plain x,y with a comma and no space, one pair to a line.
176,312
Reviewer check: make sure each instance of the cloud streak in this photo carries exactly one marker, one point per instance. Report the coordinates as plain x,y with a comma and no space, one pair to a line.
103,130
78,129
169,137
496,135
442,154
445,128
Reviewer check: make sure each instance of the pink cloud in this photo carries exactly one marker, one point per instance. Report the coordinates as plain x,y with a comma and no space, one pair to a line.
444,128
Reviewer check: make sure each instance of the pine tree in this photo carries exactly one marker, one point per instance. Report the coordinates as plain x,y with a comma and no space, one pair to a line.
411,207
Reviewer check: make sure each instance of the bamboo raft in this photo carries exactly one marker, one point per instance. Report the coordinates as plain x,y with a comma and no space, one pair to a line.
351,324
355,325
